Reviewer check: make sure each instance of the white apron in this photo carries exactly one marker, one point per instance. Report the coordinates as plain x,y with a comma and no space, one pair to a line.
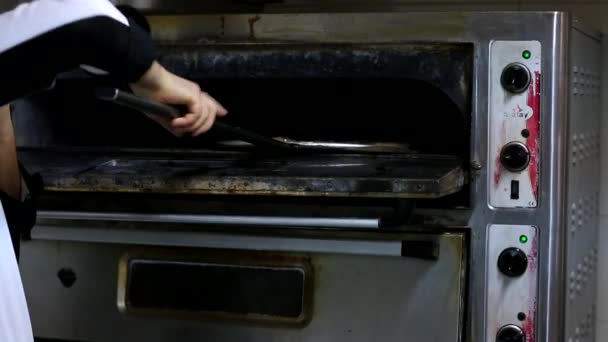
15,323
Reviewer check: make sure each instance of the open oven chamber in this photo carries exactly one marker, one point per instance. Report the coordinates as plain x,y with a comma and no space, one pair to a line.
351,96
393,234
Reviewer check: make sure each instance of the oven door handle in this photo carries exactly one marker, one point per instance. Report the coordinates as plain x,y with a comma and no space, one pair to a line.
218,220
50,227
422,250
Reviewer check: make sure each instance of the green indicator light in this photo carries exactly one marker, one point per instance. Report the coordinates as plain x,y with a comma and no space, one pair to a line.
527,54
523,239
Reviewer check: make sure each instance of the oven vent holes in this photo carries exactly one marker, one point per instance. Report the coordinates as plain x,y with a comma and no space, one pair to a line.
585,146
585,330
584,211
585,83
583,275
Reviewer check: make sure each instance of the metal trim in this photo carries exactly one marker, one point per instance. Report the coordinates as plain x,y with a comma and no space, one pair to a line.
220,220
553,235
386,247
220,256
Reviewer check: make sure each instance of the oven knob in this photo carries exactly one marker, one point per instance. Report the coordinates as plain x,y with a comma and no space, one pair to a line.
510,333
512,262
515,78
515,156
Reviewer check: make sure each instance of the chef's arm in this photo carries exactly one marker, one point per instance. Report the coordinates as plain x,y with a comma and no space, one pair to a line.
10,179
15,195
43,38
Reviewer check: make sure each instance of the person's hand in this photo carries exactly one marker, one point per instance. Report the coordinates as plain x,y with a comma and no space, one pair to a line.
161,85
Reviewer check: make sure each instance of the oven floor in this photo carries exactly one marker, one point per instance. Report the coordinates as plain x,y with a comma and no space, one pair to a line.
399,176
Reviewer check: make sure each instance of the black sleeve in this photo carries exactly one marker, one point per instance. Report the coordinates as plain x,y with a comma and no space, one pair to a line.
20,214
43,38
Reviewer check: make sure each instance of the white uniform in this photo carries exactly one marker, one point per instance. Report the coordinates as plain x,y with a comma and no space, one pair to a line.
15,323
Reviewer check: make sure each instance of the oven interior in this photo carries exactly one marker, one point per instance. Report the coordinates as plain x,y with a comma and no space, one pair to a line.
410,101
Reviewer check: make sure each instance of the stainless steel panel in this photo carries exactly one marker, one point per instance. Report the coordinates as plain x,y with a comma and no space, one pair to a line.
510,296
551,280
585,72
355,298
510,114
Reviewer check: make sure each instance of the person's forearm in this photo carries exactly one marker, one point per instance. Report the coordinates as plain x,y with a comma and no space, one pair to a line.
10,179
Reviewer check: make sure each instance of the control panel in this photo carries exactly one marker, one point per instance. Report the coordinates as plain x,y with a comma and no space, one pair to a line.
512,283
514,111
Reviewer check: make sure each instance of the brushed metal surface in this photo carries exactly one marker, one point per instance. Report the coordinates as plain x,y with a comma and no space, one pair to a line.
408,296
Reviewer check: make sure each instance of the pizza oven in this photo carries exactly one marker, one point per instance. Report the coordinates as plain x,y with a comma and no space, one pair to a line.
440,173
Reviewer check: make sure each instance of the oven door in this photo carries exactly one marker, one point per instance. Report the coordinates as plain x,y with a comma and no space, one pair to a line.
96,283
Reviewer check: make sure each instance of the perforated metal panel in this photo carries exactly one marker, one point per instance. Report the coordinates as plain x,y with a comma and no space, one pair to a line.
583,195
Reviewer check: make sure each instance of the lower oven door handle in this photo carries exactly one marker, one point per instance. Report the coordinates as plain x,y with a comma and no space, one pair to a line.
219,220
196,239
50,227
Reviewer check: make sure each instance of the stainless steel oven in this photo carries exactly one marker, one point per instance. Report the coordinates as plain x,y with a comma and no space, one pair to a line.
458,201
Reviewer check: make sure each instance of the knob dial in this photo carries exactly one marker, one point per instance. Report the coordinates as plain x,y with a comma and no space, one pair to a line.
515,78
515,156
512,262
510,333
